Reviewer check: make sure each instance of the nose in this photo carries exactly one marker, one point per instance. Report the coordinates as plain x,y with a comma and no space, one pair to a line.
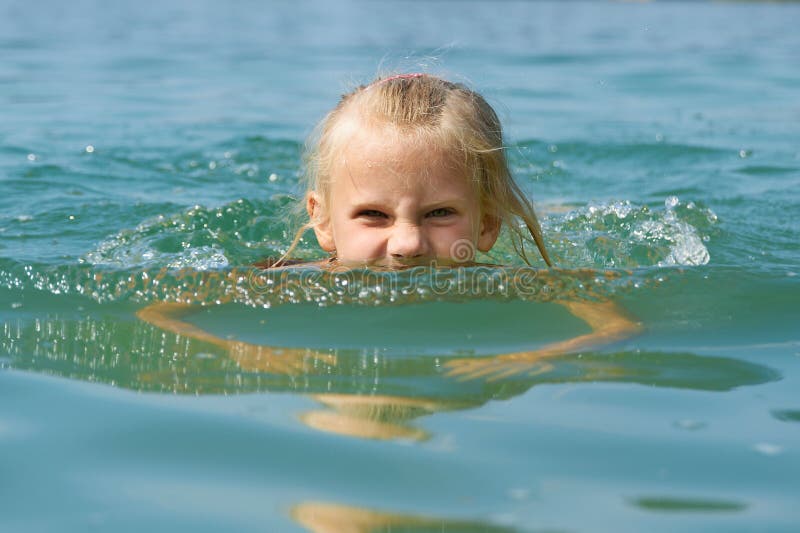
407,241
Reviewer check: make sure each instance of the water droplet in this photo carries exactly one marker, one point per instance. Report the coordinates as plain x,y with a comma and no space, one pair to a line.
745,153
519,494
16,305
659,137
71,217
552,148
32,157
690,425
766,448
273,177
89,149
212,165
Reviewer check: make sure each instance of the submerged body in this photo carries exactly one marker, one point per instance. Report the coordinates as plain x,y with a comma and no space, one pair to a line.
607,321
410,171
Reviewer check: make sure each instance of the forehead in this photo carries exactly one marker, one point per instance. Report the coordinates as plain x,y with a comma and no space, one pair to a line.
387,156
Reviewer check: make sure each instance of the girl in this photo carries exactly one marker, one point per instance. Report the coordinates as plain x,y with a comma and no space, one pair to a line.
411,170
407,171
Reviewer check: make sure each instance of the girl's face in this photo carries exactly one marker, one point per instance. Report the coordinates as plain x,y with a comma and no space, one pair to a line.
394,203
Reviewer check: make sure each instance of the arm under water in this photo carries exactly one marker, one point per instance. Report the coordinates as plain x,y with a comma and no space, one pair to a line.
608,323
388,416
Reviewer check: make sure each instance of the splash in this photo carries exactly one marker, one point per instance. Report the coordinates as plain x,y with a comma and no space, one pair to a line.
200,238
201,255
622,234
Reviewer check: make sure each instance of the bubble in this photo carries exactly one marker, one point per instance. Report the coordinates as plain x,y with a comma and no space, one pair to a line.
32,157
273,177
89,149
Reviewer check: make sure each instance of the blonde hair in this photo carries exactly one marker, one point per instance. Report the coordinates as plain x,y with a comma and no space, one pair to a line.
443,114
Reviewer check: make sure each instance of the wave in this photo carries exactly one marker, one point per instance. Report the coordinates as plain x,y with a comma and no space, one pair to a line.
201,255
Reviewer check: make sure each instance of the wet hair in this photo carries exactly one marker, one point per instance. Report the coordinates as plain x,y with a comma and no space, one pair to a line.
428,109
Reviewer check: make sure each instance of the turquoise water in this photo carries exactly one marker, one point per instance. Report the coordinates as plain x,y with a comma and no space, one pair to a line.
150,151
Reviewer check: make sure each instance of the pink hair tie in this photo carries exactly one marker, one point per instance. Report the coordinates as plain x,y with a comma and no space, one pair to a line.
410,76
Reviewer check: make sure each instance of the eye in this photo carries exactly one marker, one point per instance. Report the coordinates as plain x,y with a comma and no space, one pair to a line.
441,212
371,213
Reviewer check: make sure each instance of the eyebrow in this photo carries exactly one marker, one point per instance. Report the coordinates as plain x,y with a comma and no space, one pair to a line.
382,204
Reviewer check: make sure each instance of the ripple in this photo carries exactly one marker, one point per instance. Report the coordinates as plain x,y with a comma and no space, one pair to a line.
642,153
766,170
787,415
352,350
683,505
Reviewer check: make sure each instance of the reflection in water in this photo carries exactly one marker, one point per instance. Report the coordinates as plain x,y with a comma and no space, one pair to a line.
372,417
321,517
363,393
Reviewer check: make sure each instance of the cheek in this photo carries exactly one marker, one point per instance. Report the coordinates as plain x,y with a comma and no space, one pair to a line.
357,243
445,238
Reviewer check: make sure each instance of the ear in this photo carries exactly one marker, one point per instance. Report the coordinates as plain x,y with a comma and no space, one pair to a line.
490,230
320,221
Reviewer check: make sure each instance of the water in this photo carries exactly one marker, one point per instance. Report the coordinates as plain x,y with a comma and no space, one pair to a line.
150,151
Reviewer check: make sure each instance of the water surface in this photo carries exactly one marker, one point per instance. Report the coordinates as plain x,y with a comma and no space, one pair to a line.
151,151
